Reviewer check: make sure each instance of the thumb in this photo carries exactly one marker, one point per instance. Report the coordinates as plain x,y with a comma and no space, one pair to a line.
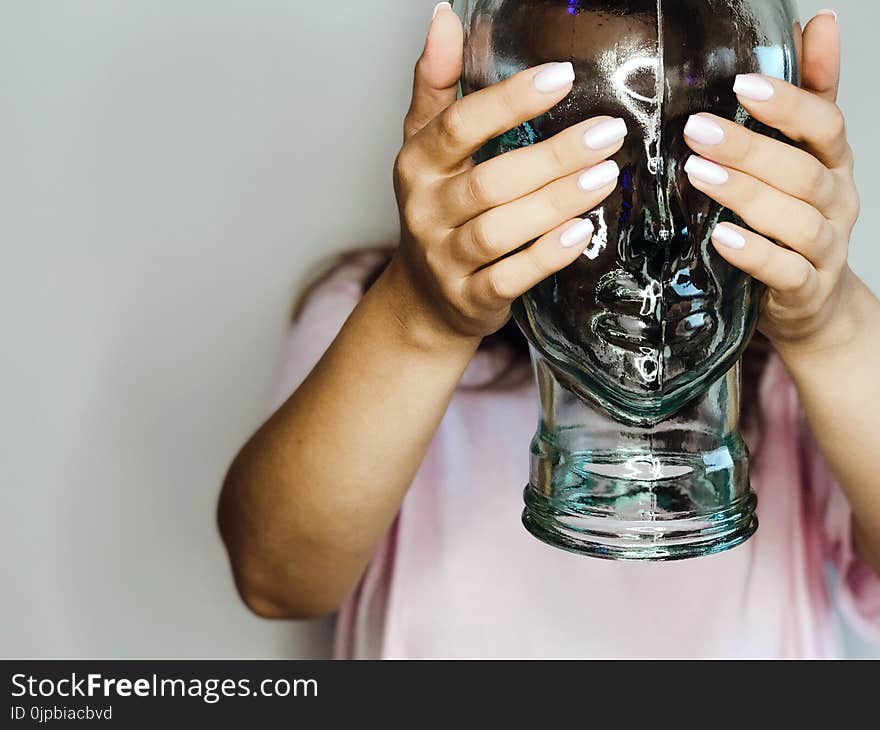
437,72
821,58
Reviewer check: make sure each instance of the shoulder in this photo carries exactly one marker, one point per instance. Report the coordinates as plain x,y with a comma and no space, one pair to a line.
343,282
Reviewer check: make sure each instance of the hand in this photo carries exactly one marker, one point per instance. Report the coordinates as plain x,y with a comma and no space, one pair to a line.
801,200
462,225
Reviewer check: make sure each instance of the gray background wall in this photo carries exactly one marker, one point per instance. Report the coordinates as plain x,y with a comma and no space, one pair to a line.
169,173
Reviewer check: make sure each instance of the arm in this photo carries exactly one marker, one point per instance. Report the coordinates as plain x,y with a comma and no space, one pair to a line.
311,494
313,491
802,205
839,389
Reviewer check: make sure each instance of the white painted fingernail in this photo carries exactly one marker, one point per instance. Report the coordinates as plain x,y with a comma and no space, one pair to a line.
754,87
724,235
828,11
704,130
555,77
599,176
441,6
705,171
605,134
577,234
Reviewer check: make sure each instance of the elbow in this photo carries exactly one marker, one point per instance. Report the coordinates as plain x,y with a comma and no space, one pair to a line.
271,606
259,602
265,608
268,595
267,591
268,608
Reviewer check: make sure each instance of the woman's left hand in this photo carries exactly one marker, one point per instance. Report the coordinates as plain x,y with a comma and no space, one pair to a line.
801,201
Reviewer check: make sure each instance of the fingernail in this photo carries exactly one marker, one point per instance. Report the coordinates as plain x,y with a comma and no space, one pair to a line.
704,130
441,6
754,87
577,234
599,176
707,172
828,11
726,236
554,77
605,134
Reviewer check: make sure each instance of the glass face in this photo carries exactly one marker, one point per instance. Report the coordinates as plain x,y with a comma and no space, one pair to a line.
650,316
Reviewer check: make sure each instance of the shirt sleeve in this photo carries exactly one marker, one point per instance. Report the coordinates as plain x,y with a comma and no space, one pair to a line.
320,319
858,587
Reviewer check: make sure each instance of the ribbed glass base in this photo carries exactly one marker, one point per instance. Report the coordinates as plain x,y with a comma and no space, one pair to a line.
600,532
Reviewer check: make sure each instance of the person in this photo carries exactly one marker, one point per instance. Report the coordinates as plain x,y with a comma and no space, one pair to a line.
385,485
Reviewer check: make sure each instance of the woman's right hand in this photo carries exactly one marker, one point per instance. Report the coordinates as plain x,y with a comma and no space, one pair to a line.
463,223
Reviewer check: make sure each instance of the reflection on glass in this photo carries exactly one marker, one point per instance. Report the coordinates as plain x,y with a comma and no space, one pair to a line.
638,454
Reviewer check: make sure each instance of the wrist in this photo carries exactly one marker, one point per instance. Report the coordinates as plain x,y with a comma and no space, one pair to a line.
847,324
417,324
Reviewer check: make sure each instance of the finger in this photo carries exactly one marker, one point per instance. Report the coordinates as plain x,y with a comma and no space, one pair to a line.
774,214
522,171
504,229
821,56
789,169
802,116
438,69
465,126
504,281
783,271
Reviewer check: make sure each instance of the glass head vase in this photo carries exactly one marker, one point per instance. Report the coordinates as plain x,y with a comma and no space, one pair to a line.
638,454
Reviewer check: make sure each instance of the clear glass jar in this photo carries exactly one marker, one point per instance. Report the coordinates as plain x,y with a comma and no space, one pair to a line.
638,454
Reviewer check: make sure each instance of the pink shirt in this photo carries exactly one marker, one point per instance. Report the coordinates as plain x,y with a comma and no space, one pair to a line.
458,575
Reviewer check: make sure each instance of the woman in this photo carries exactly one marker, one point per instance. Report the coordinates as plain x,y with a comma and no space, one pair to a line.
383,488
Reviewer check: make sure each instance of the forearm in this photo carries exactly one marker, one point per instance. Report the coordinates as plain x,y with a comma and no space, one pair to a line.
838,386
312,493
